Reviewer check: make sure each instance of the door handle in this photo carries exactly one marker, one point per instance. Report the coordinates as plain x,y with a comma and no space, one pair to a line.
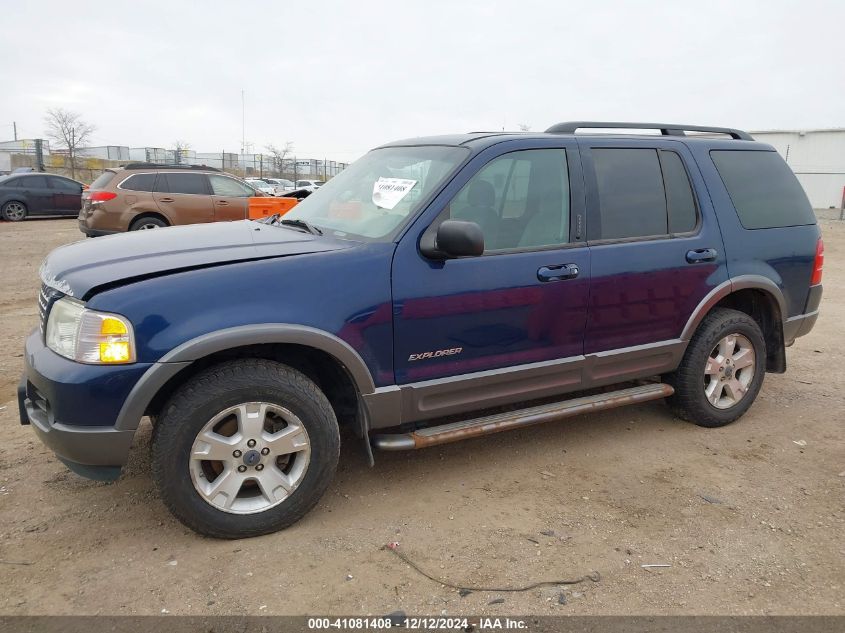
222,203
558,272
165,199
700,255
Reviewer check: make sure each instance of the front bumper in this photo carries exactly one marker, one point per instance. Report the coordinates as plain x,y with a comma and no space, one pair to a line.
94,452
73,409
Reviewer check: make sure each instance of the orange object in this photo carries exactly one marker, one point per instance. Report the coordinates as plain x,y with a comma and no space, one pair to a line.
265,206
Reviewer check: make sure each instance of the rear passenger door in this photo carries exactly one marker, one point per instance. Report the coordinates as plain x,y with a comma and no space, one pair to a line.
655,245
67,194
231,198
185,198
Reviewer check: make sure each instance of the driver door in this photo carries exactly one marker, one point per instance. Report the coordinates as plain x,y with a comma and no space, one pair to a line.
231,198
508,325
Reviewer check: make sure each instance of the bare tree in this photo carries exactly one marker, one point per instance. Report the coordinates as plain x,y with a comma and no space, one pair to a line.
179,147
524,127
67,130
280,155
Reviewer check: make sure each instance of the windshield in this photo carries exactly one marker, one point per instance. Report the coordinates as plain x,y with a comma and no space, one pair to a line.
372,198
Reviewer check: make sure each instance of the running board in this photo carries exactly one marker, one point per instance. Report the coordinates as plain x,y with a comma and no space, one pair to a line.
487,425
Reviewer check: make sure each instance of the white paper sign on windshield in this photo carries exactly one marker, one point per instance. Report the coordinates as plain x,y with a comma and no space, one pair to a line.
388,192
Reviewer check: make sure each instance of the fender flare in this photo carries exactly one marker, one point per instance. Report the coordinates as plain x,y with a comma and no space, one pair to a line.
266,333
742,282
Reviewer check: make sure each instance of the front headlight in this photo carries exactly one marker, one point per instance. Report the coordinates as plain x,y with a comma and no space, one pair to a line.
88,336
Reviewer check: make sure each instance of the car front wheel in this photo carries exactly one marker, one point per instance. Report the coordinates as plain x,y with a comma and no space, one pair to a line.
244,448
14,211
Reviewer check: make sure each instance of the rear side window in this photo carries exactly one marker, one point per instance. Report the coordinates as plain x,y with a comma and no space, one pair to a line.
64,184
196,184
102,180
139,182
630,188
642,192
764,191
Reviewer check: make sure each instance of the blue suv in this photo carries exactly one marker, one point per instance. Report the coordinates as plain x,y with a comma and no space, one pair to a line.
438,289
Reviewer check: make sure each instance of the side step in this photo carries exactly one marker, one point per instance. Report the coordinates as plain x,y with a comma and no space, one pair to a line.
487,425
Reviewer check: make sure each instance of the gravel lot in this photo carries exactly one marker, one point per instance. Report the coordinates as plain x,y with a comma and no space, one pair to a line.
750,520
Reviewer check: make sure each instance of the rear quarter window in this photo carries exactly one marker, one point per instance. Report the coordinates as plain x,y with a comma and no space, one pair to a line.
763,189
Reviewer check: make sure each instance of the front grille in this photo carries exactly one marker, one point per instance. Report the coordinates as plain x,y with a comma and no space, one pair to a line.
46,298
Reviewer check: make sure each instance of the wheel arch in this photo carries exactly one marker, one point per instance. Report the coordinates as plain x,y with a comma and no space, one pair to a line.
328,360
762,300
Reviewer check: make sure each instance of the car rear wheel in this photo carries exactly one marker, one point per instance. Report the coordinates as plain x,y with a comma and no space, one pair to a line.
14,211
244,448
144,224
722,370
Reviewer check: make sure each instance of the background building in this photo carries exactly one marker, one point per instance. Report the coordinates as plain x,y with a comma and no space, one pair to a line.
818,159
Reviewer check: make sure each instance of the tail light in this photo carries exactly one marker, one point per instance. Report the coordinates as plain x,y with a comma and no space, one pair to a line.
98,197
818,263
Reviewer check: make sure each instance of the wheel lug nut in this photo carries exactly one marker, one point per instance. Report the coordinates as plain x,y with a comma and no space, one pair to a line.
236,454
251,443
259,467
265,451
241,468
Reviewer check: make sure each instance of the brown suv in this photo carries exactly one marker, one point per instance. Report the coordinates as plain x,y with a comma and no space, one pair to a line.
149,196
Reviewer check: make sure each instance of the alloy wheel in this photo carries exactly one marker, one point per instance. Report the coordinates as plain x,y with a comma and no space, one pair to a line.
729,371
15,211
250,457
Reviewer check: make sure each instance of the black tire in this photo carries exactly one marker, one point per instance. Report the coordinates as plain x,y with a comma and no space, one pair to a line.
14,211
689,401
148,222
214,390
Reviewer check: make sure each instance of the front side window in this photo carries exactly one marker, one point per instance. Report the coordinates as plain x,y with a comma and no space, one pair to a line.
34,182
376,195
642,192
195,184
520,200
229,187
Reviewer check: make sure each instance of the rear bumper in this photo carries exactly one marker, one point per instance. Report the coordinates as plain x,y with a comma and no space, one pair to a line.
83,226
801,324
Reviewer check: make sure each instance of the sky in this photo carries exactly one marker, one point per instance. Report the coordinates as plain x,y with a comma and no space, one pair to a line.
338,78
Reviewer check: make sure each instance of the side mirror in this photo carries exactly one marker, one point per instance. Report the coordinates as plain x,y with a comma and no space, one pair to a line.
454,238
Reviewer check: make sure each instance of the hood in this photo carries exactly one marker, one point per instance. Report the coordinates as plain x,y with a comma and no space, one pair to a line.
79,268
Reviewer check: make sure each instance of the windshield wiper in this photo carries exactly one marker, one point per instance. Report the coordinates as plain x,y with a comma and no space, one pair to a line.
302,224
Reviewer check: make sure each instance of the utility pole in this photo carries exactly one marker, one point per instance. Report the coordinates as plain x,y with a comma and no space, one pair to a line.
243,124
15,126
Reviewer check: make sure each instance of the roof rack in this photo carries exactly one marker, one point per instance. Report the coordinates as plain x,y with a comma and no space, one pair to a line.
666,129
163,166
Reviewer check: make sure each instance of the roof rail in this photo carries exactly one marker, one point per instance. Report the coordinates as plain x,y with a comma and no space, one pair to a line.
666,129
163,166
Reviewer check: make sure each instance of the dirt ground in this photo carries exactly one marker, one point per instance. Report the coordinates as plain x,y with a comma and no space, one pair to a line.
749,517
